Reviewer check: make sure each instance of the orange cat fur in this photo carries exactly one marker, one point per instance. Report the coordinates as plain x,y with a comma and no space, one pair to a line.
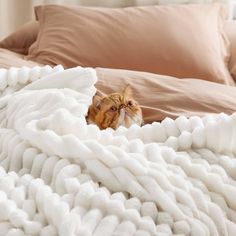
114,110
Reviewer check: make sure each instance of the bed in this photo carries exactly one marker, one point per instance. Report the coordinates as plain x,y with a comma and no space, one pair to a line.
175,175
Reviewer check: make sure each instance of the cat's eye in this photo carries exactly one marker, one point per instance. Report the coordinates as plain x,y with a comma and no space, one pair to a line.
113,108
130,103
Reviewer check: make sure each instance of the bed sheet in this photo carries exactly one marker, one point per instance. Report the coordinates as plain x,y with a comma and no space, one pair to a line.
11,59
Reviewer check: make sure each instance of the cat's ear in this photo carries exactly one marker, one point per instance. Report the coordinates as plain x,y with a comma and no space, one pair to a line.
97,98
127,92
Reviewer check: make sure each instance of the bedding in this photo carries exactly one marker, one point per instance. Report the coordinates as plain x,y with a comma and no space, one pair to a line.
170,40
9,59
167,96
164,96
60,176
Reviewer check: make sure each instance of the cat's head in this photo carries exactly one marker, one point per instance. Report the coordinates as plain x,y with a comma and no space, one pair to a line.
114,110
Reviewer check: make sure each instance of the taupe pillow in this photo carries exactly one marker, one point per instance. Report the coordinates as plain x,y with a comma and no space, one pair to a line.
177,40
20,40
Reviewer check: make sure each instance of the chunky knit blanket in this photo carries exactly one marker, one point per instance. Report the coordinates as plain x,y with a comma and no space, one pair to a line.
60,176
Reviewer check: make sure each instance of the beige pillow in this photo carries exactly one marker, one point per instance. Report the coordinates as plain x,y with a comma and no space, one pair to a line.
164,96
20,40
177,40
230,28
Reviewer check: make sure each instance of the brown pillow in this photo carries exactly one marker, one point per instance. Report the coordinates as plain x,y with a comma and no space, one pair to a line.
230,28
177,40
165,96
20,40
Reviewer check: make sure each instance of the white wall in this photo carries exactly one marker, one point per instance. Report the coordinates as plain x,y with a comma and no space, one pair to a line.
14,13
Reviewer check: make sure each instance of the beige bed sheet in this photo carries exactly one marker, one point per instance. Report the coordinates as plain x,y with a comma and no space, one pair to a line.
12,59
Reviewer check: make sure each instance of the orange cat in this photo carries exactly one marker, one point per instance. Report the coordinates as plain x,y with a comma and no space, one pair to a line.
114,110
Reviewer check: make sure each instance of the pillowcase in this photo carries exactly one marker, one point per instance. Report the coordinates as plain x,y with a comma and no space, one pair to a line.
20,40
164,96
177,40
230,28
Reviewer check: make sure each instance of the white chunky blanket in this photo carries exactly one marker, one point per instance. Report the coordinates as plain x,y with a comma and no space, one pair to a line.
60,176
